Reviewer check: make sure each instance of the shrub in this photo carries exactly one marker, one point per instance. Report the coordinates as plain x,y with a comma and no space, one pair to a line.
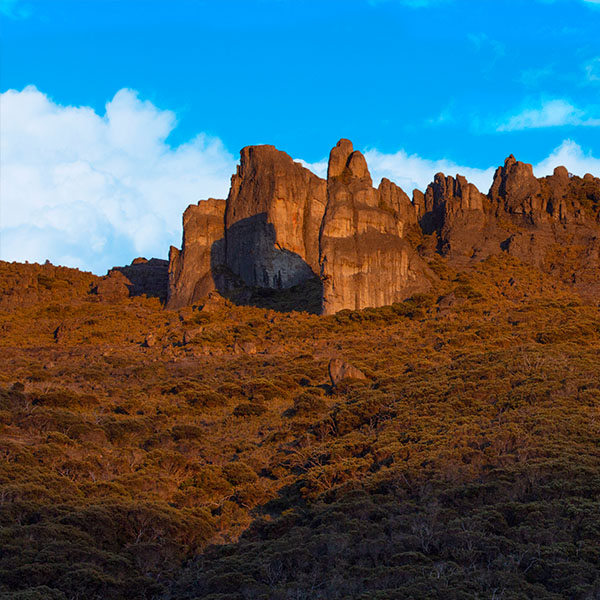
239,472
249,409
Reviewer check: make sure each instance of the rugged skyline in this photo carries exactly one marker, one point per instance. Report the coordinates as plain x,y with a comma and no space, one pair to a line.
113,121
341,244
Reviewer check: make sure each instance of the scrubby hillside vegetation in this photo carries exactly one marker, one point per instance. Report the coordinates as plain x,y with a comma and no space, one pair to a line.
203,452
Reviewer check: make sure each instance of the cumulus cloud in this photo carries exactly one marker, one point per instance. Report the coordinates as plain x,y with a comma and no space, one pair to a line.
569,154
411,171
552,113
93,191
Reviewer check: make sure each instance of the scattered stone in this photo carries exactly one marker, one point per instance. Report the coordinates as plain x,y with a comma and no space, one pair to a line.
113,286
150,340
61,333
244,348
448,301
213,301
191,334
340,371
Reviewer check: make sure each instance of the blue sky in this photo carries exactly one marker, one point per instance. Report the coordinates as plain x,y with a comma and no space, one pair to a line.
419,85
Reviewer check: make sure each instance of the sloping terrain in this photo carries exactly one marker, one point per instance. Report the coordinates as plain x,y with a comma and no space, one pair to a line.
203,453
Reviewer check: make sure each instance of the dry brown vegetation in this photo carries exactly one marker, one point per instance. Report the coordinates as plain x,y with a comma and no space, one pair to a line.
202,453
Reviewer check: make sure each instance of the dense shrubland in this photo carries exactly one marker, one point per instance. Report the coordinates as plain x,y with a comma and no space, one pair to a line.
203,453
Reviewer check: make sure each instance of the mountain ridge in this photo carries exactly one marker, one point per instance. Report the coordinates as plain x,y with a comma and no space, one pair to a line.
282,226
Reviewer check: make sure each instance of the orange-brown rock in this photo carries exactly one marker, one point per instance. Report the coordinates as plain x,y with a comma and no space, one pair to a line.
340,371
347,243
193,270
393,198
551,222
364,259
113,286
274,211
147,277
461,216
515,186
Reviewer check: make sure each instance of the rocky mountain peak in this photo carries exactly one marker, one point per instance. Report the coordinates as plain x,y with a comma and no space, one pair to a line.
338,158
513,184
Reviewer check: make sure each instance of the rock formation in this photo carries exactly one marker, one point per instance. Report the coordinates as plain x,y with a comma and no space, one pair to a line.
193,270
364,259
340,371
283,228
141,277
274,211
552,222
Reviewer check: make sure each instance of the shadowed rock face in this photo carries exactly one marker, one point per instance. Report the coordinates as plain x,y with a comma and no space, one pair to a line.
273,215
141,277
282,226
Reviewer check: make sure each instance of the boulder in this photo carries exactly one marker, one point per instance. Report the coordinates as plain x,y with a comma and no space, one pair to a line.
147,277
113,286
340,371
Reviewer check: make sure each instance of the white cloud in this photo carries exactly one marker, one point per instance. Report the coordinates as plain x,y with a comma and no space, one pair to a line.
569,154
552,113
92,190
411,171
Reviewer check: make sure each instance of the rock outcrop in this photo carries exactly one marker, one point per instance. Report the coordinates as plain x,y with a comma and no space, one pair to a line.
283,230
194,270
282,227
274,211
141,278
551,222
340,371
147,277
364,259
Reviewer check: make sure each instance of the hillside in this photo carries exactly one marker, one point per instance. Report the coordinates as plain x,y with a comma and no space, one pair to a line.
204,453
